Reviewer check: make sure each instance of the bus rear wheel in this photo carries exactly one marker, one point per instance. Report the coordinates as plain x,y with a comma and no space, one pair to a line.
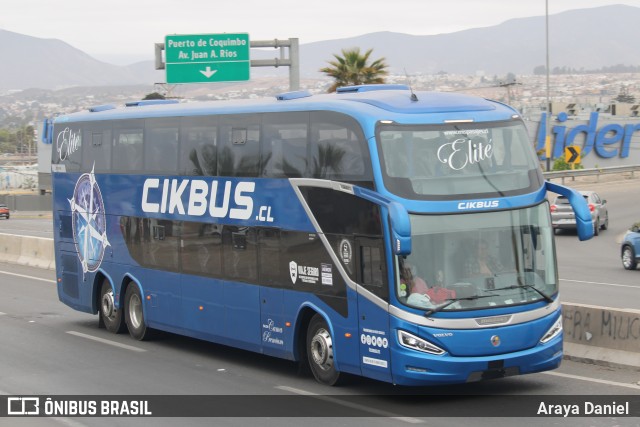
320,352
134,314
110,317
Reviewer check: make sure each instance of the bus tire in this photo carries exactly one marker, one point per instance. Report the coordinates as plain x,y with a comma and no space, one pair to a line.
320,352
109,316
134,314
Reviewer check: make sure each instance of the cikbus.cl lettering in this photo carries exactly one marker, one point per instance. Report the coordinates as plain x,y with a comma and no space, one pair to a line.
202,197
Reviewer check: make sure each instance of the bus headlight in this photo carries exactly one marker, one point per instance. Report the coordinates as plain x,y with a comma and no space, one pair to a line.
411,341
553,332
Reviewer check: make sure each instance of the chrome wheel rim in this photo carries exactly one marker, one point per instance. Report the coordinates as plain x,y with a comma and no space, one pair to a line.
108,305
322,349
135,311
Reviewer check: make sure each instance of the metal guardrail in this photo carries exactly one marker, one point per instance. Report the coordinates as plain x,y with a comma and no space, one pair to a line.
591,172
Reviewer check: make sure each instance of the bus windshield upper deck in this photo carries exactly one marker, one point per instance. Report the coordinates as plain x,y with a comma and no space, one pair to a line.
451,161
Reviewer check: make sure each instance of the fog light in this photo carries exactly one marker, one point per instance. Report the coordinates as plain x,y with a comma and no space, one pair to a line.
419,370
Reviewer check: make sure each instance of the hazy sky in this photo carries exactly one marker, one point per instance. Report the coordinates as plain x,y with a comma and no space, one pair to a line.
123,31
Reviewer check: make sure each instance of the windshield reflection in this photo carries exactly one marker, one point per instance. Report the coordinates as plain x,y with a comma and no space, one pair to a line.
432,162
480,260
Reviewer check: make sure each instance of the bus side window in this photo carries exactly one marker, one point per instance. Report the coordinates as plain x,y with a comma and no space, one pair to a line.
239,149
97,152
338,149
128,143
198,149
372,272
271,256
285,144
161,146
201,249
240,253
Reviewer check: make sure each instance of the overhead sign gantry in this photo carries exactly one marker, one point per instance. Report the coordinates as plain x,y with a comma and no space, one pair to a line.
210,58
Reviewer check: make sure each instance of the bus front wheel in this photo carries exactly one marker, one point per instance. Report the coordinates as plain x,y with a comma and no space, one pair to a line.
110,316
134,314
320,352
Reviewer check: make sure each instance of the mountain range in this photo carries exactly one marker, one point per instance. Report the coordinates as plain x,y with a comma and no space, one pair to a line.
581,39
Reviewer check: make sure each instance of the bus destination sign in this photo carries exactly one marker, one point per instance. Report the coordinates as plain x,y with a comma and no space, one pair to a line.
203,58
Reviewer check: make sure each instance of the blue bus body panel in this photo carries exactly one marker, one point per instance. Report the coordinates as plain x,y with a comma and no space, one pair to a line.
272,203
242,314
516,354
203,306
127,195
477,342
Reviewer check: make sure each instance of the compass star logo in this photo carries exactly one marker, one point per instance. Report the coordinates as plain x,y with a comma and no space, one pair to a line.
89,222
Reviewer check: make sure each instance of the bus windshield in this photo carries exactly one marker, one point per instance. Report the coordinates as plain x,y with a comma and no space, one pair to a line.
436,162
479,260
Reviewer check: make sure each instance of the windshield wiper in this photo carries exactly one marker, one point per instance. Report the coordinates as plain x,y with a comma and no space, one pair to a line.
546,297
454,300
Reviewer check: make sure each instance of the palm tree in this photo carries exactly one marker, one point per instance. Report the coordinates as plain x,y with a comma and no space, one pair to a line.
352,68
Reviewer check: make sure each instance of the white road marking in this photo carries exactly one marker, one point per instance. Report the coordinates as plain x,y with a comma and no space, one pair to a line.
593,380
600,283
20,235
108,342
68,422
26,230
363,408
27,277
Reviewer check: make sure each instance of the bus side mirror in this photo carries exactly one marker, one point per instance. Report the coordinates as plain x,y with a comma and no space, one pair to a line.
584,224
398,215
400,228
47,131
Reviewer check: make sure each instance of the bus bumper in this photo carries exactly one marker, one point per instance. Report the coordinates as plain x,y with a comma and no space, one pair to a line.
411,367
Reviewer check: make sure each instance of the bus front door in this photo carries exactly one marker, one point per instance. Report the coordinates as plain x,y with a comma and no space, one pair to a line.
373,296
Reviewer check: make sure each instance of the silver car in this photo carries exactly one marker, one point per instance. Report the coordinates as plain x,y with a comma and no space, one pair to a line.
563,217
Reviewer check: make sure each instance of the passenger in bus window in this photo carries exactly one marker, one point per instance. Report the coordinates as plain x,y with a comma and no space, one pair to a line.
414,287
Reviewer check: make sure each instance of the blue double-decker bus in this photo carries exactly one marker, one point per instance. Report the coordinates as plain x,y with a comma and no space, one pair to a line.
403,236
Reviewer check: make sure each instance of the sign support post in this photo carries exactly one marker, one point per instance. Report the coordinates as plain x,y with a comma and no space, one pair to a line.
208,58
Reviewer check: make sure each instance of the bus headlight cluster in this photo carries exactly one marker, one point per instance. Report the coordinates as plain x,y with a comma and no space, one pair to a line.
411,341
553,332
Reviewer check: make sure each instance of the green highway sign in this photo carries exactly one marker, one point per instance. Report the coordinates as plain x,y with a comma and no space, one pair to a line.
204,58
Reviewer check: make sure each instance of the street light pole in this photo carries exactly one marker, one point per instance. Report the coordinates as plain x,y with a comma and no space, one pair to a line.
547,140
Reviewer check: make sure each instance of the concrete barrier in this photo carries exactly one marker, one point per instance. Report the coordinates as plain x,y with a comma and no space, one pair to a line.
10,248
27,250
602,335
